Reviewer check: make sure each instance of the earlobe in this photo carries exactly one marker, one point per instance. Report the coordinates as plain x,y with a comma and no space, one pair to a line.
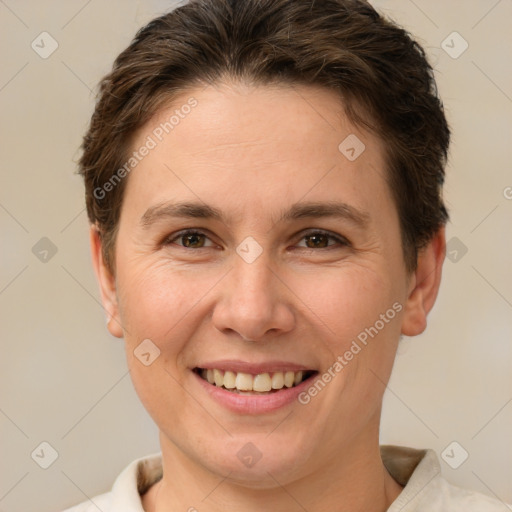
107,284
424,285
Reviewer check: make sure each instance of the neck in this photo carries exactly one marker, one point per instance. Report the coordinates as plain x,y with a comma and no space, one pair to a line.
355,480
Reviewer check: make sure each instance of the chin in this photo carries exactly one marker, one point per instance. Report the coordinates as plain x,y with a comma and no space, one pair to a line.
258,461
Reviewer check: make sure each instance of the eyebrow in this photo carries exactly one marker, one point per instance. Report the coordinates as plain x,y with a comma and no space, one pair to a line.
304,210
179,210
333,209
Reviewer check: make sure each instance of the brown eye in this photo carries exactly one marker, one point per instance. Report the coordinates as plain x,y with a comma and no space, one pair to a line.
193,240
317,241
322,240
189,240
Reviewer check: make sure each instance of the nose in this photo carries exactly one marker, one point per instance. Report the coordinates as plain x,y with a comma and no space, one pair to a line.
255,303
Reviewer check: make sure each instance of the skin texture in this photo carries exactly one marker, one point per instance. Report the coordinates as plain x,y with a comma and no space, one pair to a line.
253,152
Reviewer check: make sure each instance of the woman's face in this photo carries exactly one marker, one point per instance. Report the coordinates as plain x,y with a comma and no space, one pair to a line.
253,244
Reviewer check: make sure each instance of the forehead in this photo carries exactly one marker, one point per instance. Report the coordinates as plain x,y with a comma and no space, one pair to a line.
229,117
265,144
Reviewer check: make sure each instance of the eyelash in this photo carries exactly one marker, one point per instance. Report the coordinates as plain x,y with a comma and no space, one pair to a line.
342,241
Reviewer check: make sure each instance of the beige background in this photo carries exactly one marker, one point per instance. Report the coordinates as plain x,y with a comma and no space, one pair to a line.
64,380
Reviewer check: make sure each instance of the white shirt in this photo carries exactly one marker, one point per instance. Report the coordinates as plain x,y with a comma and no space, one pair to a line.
418,470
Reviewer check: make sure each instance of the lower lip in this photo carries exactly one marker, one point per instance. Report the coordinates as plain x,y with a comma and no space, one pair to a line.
253,404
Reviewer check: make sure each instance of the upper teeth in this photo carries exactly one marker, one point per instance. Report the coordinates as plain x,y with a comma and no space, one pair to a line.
247,382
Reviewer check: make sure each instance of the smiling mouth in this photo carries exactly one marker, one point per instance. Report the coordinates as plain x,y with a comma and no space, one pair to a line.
248,384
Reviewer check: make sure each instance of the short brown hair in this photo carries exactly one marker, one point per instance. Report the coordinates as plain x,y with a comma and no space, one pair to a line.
380,73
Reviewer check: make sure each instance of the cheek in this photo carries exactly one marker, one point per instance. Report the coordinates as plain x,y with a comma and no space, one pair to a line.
166,304
154,300
347,305
161,305
347,301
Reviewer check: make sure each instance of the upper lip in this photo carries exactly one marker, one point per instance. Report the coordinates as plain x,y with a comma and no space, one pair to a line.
254,368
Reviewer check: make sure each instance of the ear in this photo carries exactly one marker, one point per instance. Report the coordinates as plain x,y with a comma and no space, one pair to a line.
107,284
424,285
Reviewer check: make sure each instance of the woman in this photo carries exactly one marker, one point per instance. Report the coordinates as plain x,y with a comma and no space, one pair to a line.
264,186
